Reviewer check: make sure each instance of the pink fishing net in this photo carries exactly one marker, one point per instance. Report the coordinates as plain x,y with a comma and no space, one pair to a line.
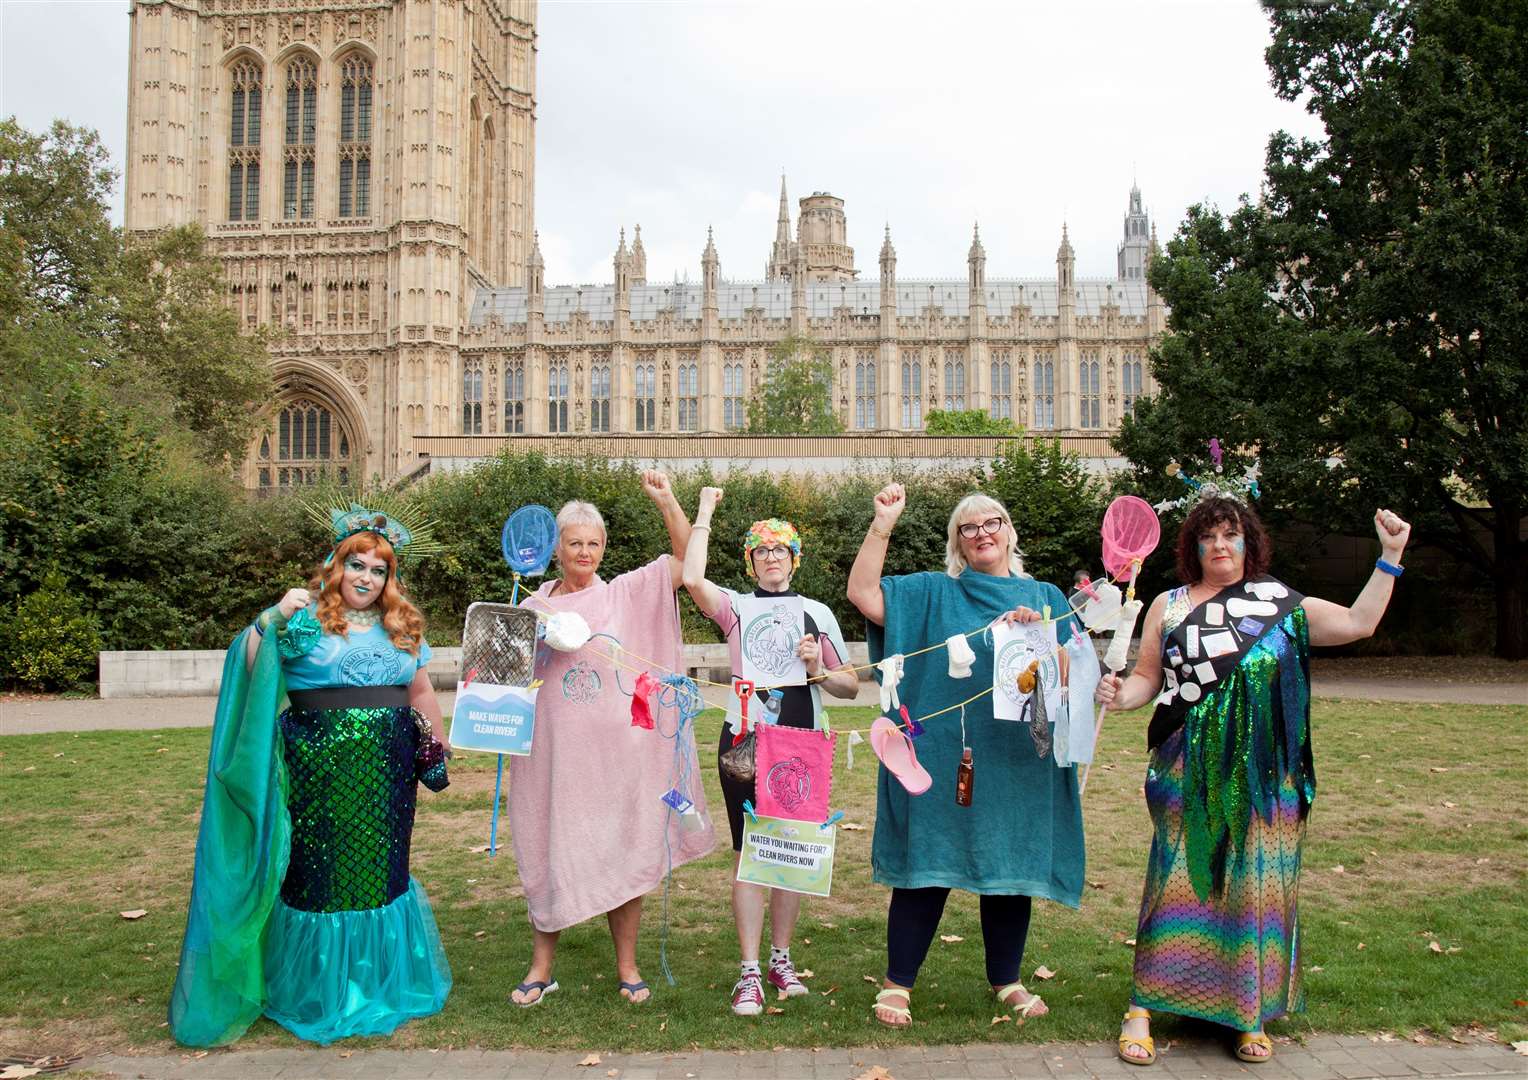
1130,533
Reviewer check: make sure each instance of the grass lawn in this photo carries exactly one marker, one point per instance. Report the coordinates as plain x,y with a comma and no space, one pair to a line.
1418,837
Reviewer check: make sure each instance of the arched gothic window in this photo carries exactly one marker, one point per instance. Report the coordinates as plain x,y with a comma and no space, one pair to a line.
307,443
298,155
864,390
1045,392
1130,377
689,394
472,401
646,398
1089,413
912,391
1002,387
558,389
955,380
245,100
514,398
599,397
355,137
734,414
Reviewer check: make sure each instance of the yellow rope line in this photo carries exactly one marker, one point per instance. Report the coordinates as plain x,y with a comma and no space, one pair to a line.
653,664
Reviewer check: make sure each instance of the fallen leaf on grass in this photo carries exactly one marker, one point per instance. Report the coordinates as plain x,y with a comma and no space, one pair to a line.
1130,941
950,938
1521,1046
1361,945
772,1011
479,849
17,1072
162,750
480,933
1043,972
1449,805
805,973
1318,967
850,826
875,1072
829,990
590,1059
612,1072
1339,869
136,913
1435,947
1097,884
871,979
1438,768
1001,1020
1520,1003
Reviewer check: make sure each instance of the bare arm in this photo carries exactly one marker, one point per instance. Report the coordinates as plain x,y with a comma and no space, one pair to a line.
656,484
422,697
865,575
706,595
1333,624
1145,680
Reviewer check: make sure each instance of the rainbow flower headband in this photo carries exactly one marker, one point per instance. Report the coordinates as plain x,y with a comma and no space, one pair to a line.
772,531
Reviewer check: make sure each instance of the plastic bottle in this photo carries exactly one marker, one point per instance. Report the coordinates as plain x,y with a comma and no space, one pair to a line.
772,706
965,779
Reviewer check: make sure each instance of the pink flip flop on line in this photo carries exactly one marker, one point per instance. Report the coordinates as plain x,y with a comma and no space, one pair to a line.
895,750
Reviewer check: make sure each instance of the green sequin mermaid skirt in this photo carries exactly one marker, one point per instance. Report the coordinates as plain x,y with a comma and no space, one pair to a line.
351,947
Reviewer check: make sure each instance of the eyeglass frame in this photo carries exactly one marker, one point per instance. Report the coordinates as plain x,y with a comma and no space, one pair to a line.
772,554
989,526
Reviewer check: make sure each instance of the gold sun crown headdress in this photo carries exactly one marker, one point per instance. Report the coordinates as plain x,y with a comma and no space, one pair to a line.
400,523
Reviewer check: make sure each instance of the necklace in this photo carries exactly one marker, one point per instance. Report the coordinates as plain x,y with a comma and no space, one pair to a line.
362,616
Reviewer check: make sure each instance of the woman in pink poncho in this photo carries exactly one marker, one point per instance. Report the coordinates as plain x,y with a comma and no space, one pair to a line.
592,834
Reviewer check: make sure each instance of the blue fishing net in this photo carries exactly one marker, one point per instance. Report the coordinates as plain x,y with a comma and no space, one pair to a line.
529,536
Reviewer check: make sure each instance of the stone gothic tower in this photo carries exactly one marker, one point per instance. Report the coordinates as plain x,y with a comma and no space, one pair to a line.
1136,247
360,168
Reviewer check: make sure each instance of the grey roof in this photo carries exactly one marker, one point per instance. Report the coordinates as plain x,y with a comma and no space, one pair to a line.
734,298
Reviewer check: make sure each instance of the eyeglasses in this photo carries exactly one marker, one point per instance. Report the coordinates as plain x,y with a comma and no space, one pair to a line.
775,554
970,530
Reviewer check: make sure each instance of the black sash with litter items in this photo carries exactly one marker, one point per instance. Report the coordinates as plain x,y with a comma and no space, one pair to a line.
1210,642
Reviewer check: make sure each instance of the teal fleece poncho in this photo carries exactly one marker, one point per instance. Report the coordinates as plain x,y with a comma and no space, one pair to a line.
1022,834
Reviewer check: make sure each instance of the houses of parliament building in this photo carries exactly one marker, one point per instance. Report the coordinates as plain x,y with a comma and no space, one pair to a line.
365,170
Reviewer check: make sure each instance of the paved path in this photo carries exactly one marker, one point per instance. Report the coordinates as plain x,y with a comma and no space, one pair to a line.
132,714
1324,1057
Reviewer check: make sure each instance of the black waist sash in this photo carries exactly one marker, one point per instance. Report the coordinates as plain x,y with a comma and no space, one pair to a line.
1208,644
349,697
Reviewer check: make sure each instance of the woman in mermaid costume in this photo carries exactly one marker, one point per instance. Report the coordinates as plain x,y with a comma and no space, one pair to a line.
302,905
1230,779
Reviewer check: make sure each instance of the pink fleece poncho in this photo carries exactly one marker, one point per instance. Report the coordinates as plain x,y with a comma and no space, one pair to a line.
586,805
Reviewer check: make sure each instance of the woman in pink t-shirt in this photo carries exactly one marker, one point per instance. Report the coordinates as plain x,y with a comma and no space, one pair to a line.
771,552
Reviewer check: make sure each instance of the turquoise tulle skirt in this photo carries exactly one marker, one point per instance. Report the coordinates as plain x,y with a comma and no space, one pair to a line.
330,975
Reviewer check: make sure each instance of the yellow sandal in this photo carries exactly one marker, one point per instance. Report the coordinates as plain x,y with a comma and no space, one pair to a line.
902,1012
1145,1043
1245,1039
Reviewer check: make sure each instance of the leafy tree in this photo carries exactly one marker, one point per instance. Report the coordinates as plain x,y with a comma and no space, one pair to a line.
1363,324
797,395
966,422
1056,504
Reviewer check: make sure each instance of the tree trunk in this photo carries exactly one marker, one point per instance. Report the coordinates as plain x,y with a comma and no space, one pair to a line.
1511,633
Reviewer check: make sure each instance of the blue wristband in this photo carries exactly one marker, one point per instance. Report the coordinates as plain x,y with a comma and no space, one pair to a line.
1389,568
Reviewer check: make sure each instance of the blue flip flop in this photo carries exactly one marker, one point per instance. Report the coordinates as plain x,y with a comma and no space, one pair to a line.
634,988
526,987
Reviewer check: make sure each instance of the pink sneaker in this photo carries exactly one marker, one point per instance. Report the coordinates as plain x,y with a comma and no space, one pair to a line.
748,995
782,976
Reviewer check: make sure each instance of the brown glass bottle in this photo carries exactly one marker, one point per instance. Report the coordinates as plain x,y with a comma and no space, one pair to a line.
965,779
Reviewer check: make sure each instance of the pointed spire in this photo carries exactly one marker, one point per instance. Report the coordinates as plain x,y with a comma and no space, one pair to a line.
977,251
636,241
709,255
887,251
622,249
1065,250
535,270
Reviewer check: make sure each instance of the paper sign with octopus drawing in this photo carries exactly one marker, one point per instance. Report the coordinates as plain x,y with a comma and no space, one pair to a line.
794,772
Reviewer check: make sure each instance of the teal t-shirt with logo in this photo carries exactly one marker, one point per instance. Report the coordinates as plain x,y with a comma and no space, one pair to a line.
365,656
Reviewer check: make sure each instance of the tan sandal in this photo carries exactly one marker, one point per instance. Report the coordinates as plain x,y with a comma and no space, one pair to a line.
1247,1039
1145,1042
902,1013
1024,1011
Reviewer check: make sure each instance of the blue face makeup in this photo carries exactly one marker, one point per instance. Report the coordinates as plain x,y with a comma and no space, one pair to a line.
1239,545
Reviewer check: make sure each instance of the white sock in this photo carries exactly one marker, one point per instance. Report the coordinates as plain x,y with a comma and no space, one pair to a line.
779,956
750,967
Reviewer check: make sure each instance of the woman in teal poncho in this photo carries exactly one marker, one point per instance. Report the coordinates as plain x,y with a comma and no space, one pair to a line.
302,905
1021,836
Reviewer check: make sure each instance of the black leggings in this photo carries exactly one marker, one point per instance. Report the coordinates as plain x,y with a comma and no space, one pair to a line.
914,917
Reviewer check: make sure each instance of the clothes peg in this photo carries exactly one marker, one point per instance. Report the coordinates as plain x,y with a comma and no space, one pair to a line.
837,816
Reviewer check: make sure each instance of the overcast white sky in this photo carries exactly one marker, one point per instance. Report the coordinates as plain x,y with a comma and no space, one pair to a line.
678,115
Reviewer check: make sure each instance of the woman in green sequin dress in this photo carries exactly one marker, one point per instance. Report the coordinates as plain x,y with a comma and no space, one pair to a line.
302,906
1230,778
